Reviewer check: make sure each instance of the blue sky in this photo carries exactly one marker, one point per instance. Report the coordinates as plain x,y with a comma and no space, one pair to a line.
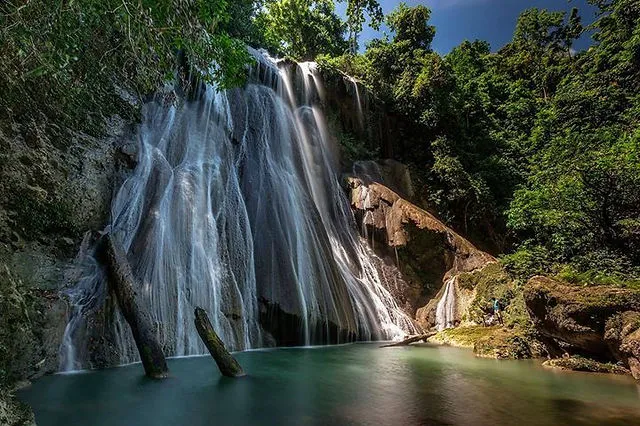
490,20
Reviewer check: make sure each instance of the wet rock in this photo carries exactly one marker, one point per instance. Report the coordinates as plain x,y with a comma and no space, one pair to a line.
13,412
128,154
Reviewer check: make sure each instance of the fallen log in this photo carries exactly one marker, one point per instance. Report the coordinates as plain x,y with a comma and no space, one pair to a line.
410,340
226,362
123,283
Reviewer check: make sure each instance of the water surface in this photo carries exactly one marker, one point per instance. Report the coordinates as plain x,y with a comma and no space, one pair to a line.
341,385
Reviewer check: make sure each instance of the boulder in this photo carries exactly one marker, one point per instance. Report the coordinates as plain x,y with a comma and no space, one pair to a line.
598,321
385,209
577,315
622,334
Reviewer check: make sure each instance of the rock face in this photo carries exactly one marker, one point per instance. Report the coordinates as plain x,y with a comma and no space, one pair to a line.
429,252
384,209
598,321
54,186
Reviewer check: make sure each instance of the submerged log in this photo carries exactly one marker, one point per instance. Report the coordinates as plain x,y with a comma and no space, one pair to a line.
122,280
226,362
410,340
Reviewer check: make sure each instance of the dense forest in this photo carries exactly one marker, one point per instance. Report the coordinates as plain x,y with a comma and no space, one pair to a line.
533,150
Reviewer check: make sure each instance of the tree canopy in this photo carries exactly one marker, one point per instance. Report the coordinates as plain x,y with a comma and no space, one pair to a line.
534,148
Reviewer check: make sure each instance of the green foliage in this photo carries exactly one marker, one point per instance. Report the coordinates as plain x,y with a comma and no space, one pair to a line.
356,10
527,261
410,26
302,29
64,59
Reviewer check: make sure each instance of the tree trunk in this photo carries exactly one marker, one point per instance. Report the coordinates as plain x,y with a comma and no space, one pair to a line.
410,340
123,283
226,362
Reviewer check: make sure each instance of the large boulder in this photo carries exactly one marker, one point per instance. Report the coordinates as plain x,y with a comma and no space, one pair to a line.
600,321
622,334
385,209
428,252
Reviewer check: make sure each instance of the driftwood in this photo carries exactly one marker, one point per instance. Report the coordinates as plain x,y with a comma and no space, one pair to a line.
123,283
226,362
410,340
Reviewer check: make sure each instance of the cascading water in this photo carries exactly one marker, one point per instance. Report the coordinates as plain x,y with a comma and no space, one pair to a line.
358,101
446,308
235,206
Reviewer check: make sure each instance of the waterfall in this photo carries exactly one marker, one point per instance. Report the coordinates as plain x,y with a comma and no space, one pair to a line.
235,206
358,101
446,308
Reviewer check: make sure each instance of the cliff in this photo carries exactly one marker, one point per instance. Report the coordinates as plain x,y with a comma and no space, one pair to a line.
429,252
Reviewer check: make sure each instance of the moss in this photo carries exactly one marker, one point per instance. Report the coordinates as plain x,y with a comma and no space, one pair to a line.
578,363
463,337
39,213
489,342
493,281
504,343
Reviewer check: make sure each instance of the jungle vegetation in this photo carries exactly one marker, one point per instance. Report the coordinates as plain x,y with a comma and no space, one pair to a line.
532,149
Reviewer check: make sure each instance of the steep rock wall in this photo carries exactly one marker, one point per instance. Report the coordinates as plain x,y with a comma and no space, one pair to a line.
55,185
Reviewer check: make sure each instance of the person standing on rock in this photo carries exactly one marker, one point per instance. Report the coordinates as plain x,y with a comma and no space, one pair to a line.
497,311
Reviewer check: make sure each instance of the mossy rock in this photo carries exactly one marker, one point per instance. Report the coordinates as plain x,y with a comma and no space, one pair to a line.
14,412
489,342
504,343
578,363
489,282
576,315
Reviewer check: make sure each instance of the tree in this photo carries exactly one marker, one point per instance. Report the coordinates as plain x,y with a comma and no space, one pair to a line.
62,59
356,10
303,29
410,25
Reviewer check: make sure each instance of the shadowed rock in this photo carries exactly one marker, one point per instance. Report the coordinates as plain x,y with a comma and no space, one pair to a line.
622,334
226,362
601,321
123,283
